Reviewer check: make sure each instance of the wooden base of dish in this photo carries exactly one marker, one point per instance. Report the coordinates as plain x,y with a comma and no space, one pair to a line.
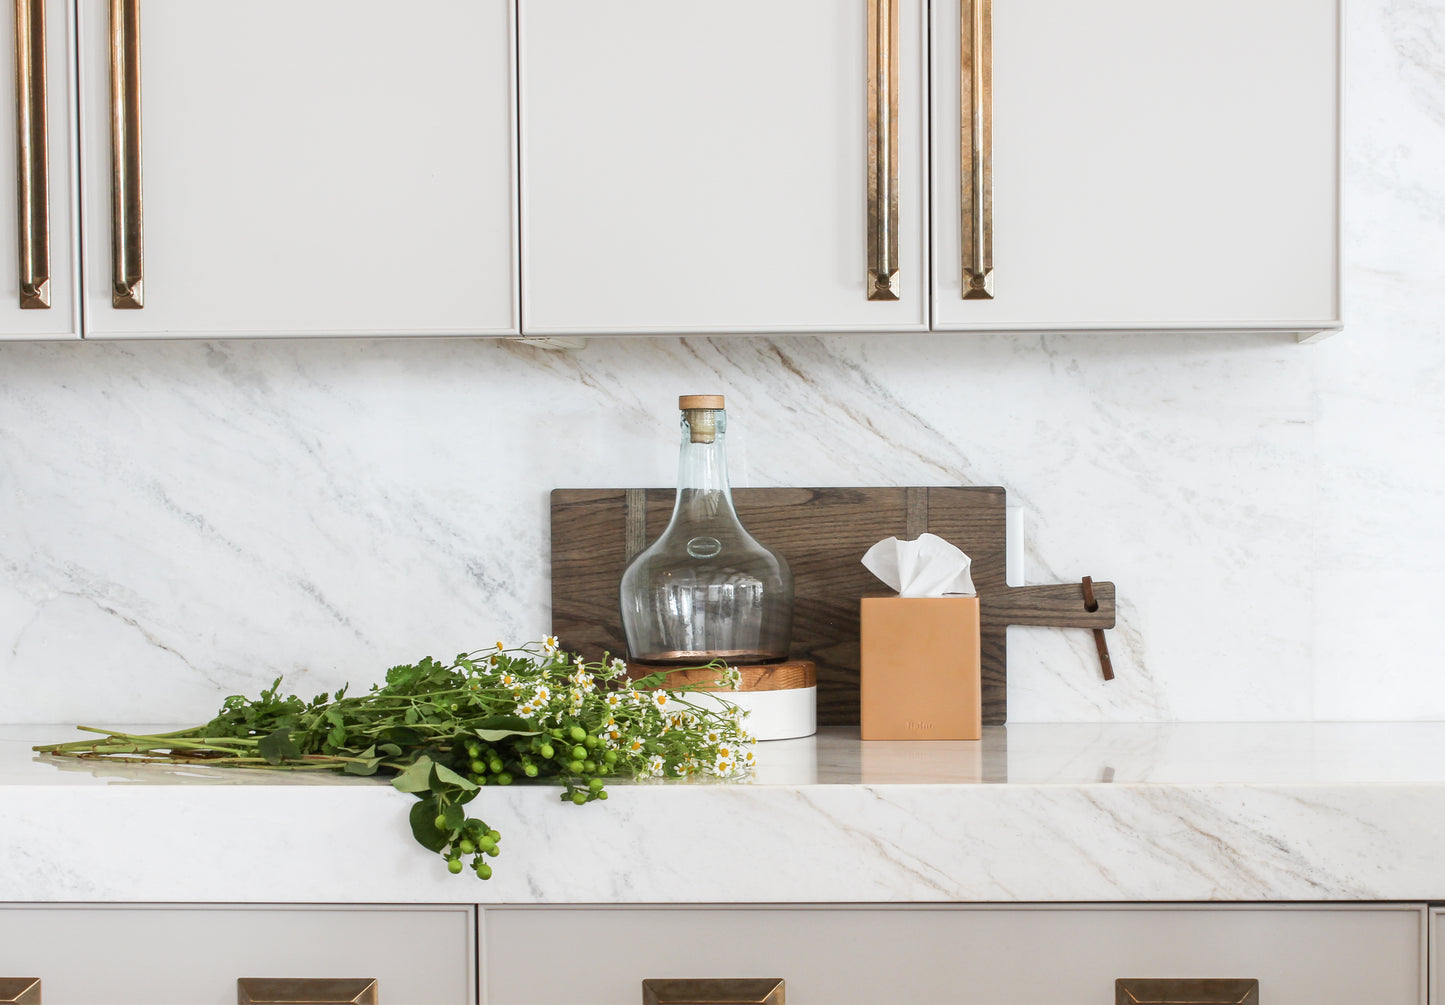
784,676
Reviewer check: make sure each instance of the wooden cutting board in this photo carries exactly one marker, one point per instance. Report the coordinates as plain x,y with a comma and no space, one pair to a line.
823,533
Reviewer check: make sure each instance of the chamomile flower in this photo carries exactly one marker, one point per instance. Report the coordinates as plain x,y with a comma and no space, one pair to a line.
747,758
549,645
655,765
526,710
612,700
712,737
507,680
542,696
659,698
732,677
724,766
501,646
635,745
616,669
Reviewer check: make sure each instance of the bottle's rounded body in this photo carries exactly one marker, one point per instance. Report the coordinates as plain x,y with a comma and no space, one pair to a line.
735,603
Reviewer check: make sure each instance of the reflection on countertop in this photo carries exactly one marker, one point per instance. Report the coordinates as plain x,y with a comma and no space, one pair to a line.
1021,754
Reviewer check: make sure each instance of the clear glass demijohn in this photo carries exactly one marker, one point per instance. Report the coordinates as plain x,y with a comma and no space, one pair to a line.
706,589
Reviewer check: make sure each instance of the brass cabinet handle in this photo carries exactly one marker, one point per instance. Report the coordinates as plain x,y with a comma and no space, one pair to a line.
20,990
976,147
306,991
127,265
32,155
882,149
1186,991
713,991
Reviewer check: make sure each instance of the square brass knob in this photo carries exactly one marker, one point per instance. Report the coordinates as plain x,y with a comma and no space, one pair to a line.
306,991
1186,991
19,991
713,991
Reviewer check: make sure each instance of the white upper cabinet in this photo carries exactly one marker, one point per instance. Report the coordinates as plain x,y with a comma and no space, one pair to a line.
305,167
1154,165
705,167
37,190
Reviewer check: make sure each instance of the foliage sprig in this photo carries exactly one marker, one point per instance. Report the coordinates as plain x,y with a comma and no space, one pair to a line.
498,716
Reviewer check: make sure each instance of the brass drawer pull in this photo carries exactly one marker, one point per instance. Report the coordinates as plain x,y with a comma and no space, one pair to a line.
1186,991
32,155
882,149
976,147
306,991
127,265
713,991
20,990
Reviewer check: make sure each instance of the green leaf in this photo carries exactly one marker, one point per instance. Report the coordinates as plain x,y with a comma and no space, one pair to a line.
337,736
424,828
389,749
499,727
333,716
446,776
456,816
367,767
416,778
278,746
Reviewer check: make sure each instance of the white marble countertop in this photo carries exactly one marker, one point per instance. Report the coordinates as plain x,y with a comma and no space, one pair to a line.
1032,813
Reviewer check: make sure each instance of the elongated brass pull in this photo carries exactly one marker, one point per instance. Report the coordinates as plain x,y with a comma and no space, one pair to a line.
1186,991
882,149
306,991
32,155
976,147
713,991
127,265
20,990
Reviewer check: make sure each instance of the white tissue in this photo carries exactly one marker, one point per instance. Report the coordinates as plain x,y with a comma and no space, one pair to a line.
927,567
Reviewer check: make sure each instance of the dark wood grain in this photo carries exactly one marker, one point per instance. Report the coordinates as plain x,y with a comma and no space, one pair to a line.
823,533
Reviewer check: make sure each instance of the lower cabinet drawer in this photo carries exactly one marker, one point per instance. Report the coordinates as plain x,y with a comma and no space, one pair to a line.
1312,955
164,955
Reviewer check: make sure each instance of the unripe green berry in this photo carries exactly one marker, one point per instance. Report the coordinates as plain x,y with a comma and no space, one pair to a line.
454,865
610,757
595,785
478,767
440,821
589,767
495,835
575,767
579,753
591,742
577,733
504,778
602,794
487,845
546,751
530,770
484,870
579,798
465,846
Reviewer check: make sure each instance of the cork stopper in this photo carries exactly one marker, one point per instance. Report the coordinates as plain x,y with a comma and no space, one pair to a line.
701,411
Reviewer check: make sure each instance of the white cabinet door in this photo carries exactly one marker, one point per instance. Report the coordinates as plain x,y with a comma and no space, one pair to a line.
310,167
194,955
1155,166
1313,955
703,167
50,200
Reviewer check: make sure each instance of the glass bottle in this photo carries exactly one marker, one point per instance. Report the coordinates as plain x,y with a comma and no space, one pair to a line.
706,589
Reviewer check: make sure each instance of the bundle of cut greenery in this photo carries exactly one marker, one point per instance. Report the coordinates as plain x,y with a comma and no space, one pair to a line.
493,717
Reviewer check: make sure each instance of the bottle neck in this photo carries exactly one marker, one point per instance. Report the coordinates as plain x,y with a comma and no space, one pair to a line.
703,492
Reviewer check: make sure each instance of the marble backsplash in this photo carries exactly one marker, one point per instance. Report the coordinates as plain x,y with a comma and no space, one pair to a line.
181,521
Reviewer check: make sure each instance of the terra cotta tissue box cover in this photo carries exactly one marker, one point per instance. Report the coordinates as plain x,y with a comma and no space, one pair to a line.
919,668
